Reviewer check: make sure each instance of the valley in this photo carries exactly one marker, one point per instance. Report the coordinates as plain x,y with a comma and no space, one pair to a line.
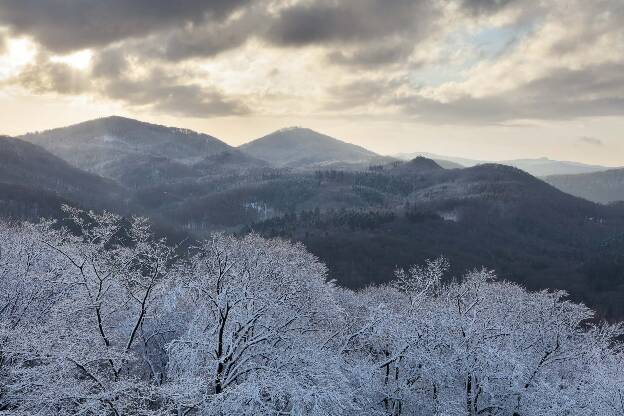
363,214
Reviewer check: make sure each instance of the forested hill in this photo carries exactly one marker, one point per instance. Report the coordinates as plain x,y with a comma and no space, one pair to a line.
498,216
131,152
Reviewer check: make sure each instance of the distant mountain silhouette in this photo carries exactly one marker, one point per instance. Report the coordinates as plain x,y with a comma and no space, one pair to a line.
537,167
603,187
297,147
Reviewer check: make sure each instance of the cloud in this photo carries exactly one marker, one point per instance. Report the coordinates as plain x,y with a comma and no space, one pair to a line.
486,6
364,92
564,94
205,40
591,140
351,21
67,25
63,26
109,79
170,95
45,76
372,56
110,63
414,59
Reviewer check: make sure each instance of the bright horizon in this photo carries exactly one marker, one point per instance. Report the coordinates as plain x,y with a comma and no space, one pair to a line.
480,79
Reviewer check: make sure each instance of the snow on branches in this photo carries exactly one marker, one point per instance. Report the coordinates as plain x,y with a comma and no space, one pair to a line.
99,317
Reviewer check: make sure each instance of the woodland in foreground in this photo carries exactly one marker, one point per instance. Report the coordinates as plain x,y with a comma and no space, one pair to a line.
98,317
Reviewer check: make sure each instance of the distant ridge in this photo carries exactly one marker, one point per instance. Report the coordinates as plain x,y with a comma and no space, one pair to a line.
537,167
603,187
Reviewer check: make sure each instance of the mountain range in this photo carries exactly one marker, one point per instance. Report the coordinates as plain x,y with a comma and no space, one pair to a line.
539,167
363,214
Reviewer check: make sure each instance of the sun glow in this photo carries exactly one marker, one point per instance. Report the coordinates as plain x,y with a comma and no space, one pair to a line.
78,60
18,53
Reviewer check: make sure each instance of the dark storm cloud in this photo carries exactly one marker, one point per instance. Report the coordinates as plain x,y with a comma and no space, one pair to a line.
66,25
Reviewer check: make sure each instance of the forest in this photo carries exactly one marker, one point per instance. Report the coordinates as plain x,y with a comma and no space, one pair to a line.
100,317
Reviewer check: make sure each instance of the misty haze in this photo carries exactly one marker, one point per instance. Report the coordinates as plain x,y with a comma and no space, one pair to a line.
311,207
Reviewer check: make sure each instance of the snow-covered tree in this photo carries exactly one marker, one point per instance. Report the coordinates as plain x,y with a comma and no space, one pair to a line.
27,295
92,351
257,311
99,317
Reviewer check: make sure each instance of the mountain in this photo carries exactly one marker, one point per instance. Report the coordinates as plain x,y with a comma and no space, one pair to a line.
603,187
297,147
537,167
29,173
111,146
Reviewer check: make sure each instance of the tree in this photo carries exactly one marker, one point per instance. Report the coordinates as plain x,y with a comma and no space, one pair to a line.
257,313
97,343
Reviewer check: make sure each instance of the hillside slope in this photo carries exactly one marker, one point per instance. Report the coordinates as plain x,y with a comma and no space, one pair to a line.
28,170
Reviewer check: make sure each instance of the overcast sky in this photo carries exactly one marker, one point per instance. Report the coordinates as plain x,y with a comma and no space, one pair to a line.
488,79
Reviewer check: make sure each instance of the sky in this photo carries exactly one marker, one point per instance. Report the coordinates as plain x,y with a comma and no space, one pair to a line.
485,79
